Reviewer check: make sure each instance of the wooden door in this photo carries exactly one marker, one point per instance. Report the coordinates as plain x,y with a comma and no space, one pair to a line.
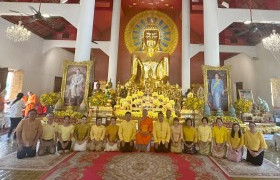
57,84
3,78
239,85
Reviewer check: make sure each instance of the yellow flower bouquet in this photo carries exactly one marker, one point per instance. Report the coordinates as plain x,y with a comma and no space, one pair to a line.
99,99
49,99
243,105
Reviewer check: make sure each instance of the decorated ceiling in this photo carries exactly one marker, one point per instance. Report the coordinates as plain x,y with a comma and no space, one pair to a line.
58,28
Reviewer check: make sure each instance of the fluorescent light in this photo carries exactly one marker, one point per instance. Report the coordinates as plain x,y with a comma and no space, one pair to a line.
247,22
63,1
225,4
46,15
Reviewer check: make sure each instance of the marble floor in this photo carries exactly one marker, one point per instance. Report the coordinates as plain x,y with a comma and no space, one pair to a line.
7,147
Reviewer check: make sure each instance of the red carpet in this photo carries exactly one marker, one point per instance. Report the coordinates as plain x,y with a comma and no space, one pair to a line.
116,165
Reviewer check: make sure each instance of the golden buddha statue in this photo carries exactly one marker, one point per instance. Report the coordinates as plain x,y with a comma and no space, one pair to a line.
150,63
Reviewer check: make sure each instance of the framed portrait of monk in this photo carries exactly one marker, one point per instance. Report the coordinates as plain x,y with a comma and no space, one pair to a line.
75,83
217,87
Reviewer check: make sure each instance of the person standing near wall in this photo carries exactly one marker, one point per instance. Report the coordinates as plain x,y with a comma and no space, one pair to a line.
16,113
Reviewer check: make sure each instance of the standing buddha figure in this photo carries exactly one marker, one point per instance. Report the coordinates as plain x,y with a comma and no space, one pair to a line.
149,63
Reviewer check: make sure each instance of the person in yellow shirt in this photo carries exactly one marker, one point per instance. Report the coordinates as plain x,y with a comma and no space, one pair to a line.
65,134
97,136
255,144
235,143
220,135
127,133
168,117
49,136
190,137
176,136
204,137
81,135
161,134
112,136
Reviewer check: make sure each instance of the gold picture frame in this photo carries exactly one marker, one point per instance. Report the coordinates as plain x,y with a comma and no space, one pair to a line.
217,93
75,83
246,94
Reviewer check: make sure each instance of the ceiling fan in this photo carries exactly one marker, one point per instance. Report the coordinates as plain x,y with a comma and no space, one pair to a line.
36,15
251,27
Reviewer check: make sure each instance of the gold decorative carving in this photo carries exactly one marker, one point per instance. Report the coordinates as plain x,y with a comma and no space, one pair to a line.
136,26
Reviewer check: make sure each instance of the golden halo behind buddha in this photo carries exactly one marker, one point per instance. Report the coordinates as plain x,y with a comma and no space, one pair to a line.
151,20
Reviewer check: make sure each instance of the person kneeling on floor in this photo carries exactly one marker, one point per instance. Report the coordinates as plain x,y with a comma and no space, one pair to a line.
81,135
28,133
161,134
97,136
127,133
49,136
65,134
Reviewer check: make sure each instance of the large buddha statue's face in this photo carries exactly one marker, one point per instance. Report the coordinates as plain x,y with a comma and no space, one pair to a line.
151,38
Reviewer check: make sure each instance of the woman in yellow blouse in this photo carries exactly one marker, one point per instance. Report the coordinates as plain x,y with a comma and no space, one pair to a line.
235,143
81,135
220,134
112,136
65,134
176,136
190,137
204,136
97,136
255,143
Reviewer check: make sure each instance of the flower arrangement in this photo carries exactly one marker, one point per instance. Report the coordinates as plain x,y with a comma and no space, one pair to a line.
226,119
128,98
156,102
193,103
161,97
243,105
172,102
140,93
68,112
134,96
155,94
99,99
49,99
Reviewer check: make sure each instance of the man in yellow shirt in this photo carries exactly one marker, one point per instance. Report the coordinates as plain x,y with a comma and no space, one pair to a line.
28,132
127,133
97,136
161,134
168,117
49,136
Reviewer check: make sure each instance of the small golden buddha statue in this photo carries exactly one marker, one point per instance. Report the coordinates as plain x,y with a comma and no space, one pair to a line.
149,62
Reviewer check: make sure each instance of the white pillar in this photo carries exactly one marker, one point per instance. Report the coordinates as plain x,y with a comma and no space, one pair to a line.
84,34
186,63
114,44
211,33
